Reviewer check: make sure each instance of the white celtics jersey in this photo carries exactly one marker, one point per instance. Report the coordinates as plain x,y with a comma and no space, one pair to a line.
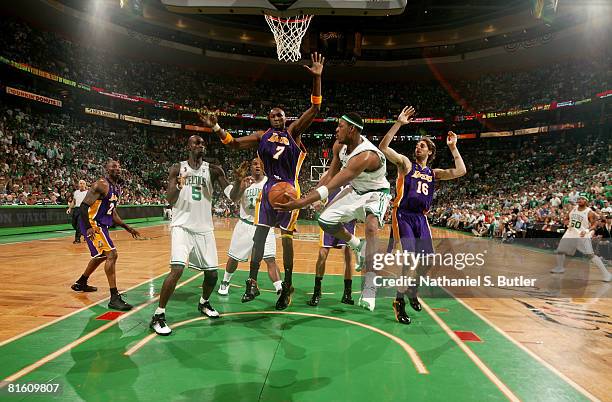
249,198
367,181
193,209
579,221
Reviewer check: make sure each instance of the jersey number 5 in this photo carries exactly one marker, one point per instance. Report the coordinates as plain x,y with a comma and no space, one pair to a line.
279,151
196,193
422,188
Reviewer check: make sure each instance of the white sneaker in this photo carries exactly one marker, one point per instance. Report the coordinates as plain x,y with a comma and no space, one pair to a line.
557,270
158,324
208,310
223,288
368,303
607,277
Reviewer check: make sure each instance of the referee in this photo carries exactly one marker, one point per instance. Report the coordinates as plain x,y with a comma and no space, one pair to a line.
73,208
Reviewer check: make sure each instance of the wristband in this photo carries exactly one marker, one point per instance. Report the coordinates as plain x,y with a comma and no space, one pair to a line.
316,100
216,127
228,138
323,192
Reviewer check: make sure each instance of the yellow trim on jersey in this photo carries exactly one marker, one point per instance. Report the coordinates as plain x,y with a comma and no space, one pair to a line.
298,167
257,206
399,186
100,241
293,221
92,213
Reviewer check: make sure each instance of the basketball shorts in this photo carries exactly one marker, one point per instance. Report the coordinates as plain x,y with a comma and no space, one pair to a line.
569,244
328,241
241,244
101,242
265,215
195,250
411,231
348,205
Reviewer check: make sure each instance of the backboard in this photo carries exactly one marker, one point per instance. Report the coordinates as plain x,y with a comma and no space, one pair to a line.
287,8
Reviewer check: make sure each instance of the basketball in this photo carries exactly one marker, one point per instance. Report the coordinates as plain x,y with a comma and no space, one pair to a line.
281,193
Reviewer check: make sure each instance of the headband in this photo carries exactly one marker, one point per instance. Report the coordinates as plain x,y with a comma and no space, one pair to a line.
346,118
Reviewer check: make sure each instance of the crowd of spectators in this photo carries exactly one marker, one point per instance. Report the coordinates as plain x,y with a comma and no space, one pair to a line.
573,79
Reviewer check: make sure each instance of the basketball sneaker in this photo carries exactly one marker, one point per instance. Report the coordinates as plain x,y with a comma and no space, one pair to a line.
284,300
360,254
223,288
607,276
415,304
315,299
158,324
368,303
251,291
117,303
347,297
557,270
208,310
83,287
399,307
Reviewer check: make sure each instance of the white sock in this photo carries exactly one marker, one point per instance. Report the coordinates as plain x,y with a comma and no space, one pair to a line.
353,242
203,300
160,310
227,276
277,285
560,260
597,261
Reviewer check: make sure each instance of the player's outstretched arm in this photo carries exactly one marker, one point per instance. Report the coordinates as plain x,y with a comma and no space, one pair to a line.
459,169
97,191
316,69
401,161
217,174
209,119
119,222
357,164
175,184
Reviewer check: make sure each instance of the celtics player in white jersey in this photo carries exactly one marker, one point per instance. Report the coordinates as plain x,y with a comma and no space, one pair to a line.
245,191
190,189
357,162
582,222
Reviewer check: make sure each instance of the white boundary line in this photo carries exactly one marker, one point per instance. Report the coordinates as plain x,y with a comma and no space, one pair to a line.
28,369
576,386
414,356
470,353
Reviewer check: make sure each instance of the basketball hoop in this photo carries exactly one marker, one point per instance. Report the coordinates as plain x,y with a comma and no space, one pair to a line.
288,34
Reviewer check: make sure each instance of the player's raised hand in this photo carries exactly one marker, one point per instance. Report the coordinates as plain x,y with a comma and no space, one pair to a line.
208,118
242,170
451,140
405,115
317,64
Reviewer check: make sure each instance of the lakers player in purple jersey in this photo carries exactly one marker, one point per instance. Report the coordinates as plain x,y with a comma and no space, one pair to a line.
99,212
414,195
281,150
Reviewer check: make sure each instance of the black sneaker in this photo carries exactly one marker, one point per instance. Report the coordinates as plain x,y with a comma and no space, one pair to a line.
284,300
208,310
83,287
251,291
158,324
314,300
415,304
76,242
399,306
117,303
347,297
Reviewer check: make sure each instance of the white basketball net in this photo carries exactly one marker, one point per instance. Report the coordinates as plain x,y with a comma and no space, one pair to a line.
288,34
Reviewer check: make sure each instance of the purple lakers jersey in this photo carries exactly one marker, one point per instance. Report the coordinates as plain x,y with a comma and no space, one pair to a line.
101,211
282,157
415,190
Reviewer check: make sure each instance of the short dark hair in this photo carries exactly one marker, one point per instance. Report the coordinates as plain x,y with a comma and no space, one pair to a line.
356,118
